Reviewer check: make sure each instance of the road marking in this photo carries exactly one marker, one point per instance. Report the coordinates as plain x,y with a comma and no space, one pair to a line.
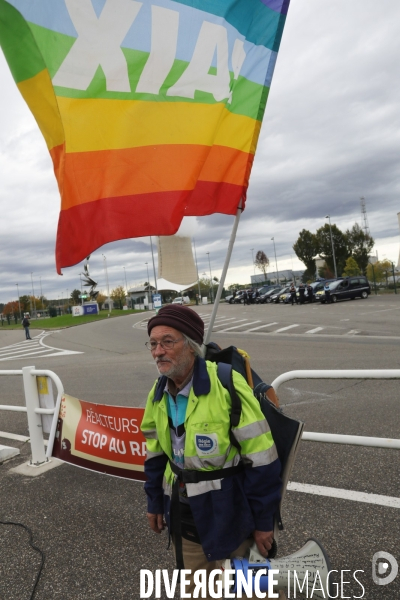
353,332
261,326
345,319
219,319
319,490
285,328
35,348
315,330
223,324
14,436
373,312
237,326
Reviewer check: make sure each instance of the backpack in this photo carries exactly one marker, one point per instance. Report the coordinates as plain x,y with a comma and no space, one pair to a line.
285,430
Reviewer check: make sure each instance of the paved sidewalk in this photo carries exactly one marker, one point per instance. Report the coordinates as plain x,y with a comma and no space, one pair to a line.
91,527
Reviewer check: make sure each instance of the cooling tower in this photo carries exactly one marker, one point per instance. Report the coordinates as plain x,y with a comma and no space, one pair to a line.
175,260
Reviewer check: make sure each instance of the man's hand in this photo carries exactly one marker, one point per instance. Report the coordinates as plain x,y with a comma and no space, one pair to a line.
264,540
156,522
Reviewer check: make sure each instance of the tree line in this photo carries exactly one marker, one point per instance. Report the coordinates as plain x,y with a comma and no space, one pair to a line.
352,244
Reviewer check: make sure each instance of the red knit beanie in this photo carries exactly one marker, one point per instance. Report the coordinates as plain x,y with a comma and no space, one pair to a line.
182,318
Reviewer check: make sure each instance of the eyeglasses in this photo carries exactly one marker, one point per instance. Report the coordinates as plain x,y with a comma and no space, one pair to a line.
165,344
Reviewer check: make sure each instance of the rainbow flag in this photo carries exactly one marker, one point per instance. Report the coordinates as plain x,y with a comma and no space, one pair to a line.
151,109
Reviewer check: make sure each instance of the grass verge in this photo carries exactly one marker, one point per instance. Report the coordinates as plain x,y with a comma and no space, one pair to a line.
68,320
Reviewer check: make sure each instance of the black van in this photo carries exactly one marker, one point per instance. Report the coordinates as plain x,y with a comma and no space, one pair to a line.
349,287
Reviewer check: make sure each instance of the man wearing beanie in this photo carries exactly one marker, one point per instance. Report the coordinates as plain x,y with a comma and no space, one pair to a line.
215,495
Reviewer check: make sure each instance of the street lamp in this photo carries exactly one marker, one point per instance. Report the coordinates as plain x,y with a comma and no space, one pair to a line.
33,294
126,285
148,282
19,303
209,264
254,266
41,292
373,276
197,270
276,262
106,273
394,278
333,248
154,266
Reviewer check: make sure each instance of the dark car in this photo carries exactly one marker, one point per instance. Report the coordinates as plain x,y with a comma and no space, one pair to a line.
277,295
316,287
349,288
238,298
265,297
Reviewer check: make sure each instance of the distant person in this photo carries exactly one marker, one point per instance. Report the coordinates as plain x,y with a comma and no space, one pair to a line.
26,324
293,297
244,298
310,293
302,293
327,291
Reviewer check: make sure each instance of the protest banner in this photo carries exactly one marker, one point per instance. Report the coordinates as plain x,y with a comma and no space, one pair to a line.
101,438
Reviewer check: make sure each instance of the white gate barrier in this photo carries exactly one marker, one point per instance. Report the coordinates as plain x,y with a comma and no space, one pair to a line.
34,410
333,438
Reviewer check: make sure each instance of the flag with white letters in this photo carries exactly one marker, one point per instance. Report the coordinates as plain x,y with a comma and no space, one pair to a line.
151,109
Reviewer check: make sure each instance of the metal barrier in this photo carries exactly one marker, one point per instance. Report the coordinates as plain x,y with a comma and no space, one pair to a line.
34,411
331,438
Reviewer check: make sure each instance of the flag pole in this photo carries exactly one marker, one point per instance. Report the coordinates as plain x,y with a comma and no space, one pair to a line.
224,272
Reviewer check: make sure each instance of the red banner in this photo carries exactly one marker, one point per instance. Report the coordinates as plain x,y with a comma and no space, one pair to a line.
101,438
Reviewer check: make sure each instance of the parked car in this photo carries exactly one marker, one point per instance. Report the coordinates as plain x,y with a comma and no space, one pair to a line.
238,298
181,300
316,286
286,297
276,296
267,288
348,288
264,297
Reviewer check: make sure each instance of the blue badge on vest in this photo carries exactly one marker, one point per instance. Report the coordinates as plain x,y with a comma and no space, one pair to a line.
206,443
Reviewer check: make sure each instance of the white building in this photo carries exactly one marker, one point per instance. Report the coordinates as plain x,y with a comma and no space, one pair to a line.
141,295
284,276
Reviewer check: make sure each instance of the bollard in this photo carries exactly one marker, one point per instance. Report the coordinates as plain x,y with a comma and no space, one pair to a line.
34,419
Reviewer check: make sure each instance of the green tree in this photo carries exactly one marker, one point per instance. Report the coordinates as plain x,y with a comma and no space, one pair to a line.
306,249
75,296
360,245
101,298
382,270
25,303
340,243
11,308
325,272
261,262
351,268
118,296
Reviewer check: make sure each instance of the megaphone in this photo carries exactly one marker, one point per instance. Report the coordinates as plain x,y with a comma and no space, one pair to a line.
305,572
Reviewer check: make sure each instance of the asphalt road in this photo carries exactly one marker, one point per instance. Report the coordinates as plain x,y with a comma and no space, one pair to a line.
92,527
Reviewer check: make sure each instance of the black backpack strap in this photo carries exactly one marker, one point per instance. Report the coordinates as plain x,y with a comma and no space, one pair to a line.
225,376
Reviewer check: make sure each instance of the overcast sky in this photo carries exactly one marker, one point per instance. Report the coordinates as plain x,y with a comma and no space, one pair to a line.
331,134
